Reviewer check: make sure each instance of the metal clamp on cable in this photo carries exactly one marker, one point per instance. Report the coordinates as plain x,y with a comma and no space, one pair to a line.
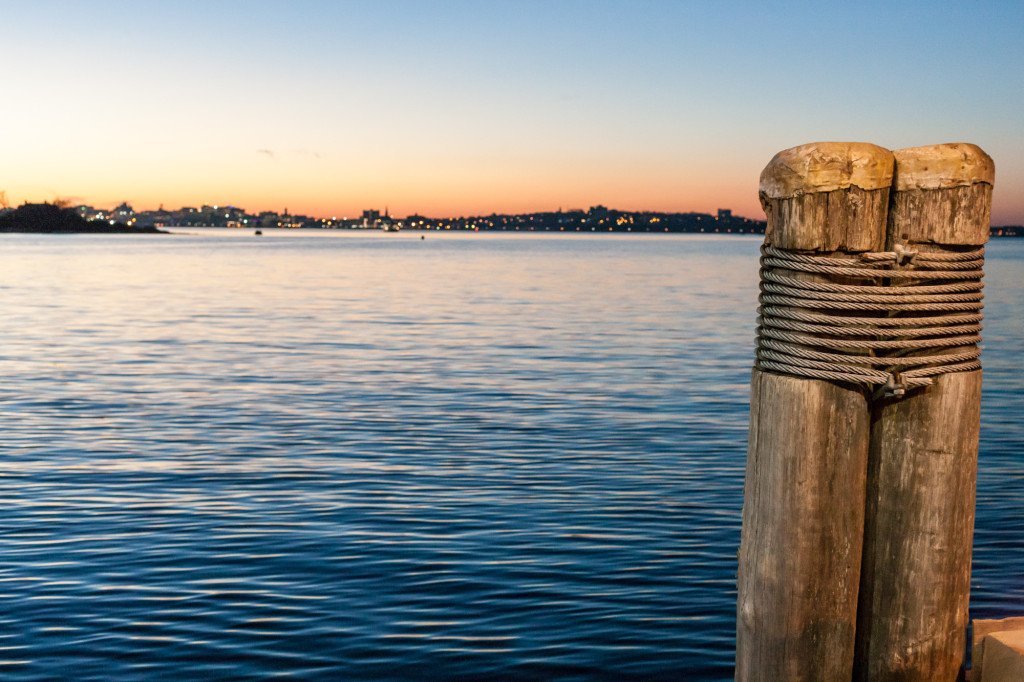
904,255
894,388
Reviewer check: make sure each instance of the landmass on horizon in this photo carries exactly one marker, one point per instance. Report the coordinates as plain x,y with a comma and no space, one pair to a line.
597,218
57,217
52,218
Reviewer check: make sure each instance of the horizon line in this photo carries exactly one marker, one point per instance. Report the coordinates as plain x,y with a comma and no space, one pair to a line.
69,204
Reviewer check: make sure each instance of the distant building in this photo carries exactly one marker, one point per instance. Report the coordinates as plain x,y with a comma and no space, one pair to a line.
268,219
89,213
157,218
725,214
417,220
123,213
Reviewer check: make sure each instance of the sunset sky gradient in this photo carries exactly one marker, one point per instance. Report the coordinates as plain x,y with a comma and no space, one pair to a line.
453,108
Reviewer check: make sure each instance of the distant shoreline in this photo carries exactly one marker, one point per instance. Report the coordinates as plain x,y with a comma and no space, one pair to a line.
54,219
1006,231
123,219
110,229
1011,231
1000,232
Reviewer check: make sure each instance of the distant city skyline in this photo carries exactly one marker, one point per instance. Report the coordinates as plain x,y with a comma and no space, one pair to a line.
462,108
594,218
208,207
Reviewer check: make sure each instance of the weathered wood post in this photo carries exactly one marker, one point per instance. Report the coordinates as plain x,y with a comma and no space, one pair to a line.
803,510
924,446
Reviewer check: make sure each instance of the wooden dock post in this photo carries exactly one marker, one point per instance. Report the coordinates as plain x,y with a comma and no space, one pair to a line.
803,510
924,447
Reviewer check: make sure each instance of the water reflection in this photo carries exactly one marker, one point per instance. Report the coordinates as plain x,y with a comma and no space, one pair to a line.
356,456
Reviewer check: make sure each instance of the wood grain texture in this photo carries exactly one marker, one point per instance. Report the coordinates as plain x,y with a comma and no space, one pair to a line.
919,525
803,510
802,529
915,578
958,216
847,221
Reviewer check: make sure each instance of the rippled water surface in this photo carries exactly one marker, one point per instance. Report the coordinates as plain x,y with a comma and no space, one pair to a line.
333,455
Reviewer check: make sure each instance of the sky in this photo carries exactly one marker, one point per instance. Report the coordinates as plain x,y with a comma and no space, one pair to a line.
464,108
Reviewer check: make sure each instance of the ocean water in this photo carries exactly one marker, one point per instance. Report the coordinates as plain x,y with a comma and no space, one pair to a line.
329,455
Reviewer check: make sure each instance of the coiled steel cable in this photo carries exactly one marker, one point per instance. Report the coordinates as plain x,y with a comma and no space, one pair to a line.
909,317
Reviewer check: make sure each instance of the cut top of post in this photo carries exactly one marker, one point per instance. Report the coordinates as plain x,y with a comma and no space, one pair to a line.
826,167
943,195
827,197
942,166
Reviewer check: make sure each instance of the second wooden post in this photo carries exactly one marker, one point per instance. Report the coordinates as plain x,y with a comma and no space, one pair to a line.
924,447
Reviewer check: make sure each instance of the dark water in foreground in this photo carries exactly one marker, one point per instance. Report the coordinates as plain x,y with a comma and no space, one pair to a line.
362,457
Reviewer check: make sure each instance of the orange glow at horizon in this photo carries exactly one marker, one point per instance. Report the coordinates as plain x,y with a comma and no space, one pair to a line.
324,185
339,107
321,187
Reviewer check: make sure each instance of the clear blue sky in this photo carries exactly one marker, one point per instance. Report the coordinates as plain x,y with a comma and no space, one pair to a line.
461,107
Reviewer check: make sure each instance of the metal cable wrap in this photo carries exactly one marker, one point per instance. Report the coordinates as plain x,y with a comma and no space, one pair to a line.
888,319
